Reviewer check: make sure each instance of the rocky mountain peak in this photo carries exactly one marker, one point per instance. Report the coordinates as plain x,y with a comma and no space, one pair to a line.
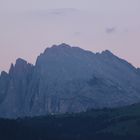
20,68
59,47
107,53
63,45
68,79
20,62
3,73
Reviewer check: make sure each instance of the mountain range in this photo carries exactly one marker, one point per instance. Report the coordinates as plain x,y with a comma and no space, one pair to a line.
67,79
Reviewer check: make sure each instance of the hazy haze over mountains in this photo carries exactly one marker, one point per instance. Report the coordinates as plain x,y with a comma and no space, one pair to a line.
67,79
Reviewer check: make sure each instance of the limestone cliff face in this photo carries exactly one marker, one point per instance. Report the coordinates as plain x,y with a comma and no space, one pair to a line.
138,71
14,87
67,79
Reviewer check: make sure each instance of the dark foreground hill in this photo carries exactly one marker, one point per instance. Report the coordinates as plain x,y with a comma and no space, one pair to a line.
67,79
105,124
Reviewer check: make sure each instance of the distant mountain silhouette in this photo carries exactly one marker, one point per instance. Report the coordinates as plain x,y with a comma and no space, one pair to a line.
67,79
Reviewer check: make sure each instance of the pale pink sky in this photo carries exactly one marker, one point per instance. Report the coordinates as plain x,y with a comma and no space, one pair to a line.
27,27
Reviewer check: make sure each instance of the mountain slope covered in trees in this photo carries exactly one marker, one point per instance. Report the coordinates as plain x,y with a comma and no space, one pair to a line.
111,124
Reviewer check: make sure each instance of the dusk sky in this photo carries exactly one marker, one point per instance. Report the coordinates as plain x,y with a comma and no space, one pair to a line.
27,27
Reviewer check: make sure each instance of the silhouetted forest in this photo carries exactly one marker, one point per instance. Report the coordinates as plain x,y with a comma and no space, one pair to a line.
105,124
